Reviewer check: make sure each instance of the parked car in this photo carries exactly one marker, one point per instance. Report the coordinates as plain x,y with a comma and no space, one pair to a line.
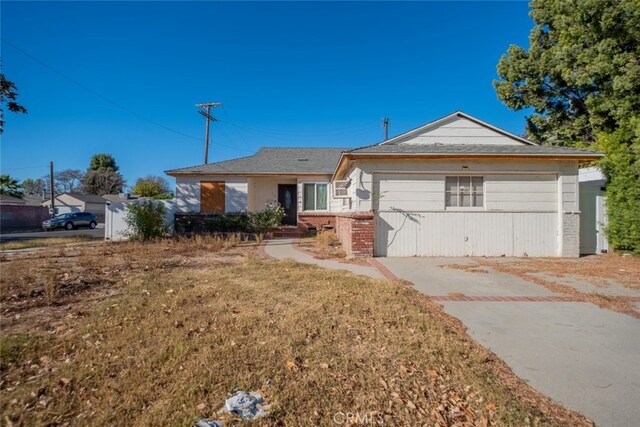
71,221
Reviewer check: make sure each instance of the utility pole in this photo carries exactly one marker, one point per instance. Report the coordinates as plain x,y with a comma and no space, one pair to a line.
205,111
385,125
53,207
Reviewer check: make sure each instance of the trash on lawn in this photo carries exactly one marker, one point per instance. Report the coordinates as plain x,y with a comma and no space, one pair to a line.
246,405
206,422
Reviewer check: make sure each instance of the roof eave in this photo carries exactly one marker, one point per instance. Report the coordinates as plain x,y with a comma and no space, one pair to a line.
175,174
577,156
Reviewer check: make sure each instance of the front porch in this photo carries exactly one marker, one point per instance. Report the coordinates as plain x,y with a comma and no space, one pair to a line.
266,191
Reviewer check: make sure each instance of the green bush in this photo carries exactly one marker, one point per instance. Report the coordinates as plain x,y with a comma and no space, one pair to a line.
146,220
263,221
621,166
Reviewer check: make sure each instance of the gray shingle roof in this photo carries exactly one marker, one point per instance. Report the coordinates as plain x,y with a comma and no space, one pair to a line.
273,160
87,198
473,149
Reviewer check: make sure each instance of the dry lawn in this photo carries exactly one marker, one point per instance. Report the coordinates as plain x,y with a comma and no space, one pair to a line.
52,241
162,333
326,245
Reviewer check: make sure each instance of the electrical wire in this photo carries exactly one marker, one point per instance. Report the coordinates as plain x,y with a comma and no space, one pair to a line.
97,94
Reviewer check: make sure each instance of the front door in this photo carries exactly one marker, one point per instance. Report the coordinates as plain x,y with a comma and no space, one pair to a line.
288,200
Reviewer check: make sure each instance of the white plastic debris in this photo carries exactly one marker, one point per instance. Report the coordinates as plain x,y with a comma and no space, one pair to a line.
247,406
206,422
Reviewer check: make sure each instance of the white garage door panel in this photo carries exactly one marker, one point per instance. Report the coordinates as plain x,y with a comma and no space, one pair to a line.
465,234
410,219
409,192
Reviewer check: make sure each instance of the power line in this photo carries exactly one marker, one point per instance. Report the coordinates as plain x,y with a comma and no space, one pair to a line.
99,95
26,167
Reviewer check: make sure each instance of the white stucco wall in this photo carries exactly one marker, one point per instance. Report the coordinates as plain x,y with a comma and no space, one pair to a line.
263,190
188,192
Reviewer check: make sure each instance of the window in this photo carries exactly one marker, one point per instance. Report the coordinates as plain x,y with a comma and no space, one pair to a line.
340,189
212,196
464,191
315,197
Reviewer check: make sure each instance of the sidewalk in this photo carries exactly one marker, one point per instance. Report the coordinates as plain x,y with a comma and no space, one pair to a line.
285,249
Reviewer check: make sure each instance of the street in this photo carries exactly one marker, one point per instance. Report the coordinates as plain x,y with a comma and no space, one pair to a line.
11,237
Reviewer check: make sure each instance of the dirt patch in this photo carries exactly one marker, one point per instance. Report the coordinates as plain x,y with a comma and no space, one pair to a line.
162,333
469,268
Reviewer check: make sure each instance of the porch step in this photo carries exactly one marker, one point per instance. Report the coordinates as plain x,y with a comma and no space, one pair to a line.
286,231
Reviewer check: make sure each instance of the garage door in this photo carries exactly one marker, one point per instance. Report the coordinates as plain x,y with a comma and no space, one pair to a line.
518,218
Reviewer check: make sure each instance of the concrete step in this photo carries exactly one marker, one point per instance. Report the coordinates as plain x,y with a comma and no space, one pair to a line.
286,231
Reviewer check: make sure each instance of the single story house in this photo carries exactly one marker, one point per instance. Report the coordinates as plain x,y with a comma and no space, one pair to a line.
456,186
77,202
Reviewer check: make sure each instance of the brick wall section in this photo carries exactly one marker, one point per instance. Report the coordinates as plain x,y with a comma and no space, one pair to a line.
15,217
317,220
362,235
355,231
571,234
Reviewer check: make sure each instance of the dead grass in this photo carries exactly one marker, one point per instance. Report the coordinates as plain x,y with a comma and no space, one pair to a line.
162,333
595,269
53,241
326,245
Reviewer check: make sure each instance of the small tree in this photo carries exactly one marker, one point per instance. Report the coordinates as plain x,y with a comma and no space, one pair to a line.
101,182
33,186
151,186
102,176
68,180
146,220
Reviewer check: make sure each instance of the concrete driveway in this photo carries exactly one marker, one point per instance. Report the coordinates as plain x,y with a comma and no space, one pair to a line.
582,356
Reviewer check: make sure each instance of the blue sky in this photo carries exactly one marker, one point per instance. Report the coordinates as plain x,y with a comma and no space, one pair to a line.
289,74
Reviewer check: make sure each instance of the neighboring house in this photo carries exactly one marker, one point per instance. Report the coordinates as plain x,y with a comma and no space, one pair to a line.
6,200
76,202
120,197
454,187
33,200
593,214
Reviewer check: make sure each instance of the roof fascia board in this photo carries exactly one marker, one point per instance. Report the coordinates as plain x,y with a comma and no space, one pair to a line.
546,156
256,174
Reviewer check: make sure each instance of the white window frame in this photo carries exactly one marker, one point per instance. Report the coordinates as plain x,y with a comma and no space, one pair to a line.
471,193
341,185
315,199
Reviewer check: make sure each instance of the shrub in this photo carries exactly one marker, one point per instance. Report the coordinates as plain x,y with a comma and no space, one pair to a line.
146,220
328,238
262,221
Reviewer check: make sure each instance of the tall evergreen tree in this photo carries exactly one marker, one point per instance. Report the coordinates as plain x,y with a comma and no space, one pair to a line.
580,77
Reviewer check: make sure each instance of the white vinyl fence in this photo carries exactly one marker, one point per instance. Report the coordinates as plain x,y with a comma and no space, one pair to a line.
115,227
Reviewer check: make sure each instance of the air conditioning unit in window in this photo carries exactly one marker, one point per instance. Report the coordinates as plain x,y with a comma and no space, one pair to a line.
341,189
